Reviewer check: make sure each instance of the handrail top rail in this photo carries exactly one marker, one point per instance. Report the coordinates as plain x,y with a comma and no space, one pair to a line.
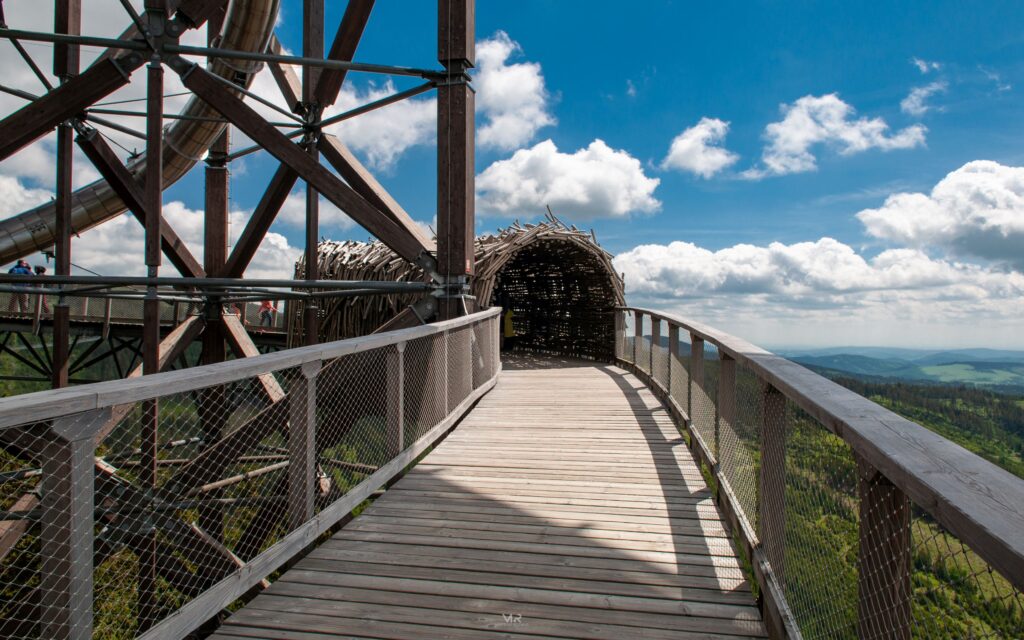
49,404
978,501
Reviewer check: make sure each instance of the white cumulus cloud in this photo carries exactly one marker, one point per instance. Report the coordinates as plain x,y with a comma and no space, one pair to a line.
511,97
511,100
16,197
696,149
384,135
596,181
916,102
817,269
975,211
826,293
825,120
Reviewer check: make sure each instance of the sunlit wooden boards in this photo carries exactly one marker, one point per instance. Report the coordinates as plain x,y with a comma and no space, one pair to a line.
565,506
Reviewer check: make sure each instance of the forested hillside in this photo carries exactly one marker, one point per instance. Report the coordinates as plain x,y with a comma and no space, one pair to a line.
988,423
955,593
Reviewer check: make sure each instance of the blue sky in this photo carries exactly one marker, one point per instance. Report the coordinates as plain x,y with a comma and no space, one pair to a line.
790,120
737,61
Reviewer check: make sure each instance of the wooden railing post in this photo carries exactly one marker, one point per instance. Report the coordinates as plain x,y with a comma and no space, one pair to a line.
726,399
673,353
696,372
66,527
620,334
771,511
395,398
655,341
302,445
883,579
106,318
638,335
37,313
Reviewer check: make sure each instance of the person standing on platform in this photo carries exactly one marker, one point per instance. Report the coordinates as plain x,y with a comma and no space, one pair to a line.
508,330
267,311
41,271
19,299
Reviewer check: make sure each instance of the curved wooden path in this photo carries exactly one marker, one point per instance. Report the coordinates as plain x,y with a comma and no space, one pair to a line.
565,505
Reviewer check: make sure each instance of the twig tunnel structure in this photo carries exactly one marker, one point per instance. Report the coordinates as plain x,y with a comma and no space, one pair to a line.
557,280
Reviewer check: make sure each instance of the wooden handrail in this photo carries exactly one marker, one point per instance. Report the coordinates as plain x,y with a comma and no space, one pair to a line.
47,405
977,501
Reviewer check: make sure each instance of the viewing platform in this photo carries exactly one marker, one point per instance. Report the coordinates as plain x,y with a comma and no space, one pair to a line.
444,433
408,484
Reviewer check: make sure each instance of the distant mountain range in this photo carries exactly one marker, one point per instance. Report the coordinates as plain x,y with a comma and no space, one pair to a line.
992,368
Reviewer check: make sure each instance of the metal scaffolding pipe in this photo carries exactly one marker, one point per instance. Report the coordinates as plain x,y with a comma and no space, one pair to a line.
247,25
229,54
211,283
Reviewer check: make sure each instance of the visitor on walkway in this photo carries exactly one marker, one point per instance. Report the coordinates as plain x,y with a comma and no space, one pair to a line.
41,271
19,299
508,333
267,311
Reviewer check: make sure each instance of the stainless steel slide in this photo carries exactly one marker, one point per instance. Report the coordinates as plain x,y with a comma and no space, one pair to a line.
247,27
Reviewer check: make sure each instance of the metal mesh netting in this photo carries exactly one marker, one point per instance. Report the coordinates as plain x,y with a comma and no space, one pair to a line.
356,420
679,364
738,438
178,492
459,376
120,310
956,594
486,352
425,398
643,346
819,546
626,344
703,412
659,356
853,557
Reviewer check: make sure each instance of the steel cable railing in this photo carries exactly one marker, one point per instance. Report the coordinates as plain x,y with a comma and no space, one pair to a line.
855,522
145,507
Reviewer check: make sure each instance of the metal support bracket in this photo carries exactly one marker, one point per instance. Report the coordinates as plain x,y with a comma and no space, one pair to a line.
425,308
428,263
453,79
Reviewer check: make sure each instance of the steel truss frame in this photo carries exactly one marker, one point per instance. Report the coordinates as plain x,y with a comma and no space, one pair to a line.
152,42
155,38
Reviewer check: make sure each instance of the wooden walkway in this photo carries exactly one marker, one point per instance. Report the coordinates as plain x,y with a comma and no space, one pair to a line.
565,505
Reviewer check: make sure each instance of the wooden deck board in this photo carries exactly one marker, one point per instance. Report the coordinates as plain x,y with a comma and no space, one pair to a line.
565,505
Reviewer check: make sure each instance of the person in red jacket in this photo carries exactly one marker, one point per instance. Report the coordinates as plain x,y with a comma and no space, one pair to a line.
267,311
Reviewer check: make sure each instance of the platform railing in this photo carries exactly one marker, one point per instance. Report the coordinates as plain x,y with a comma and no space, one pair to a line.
107,310
145,507
855,522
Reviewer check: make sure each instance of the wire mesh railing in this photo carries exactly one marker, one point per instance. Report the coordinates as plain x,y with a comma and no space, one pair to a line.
855,522
145,507
38,308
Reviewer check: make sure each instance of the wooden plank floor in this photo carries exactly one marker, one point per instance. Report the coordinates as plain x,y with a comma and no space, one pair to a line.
565,505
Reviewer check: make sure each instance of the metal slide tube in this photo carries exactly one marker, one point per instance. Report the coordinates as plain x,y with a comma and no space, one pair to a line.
247,27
